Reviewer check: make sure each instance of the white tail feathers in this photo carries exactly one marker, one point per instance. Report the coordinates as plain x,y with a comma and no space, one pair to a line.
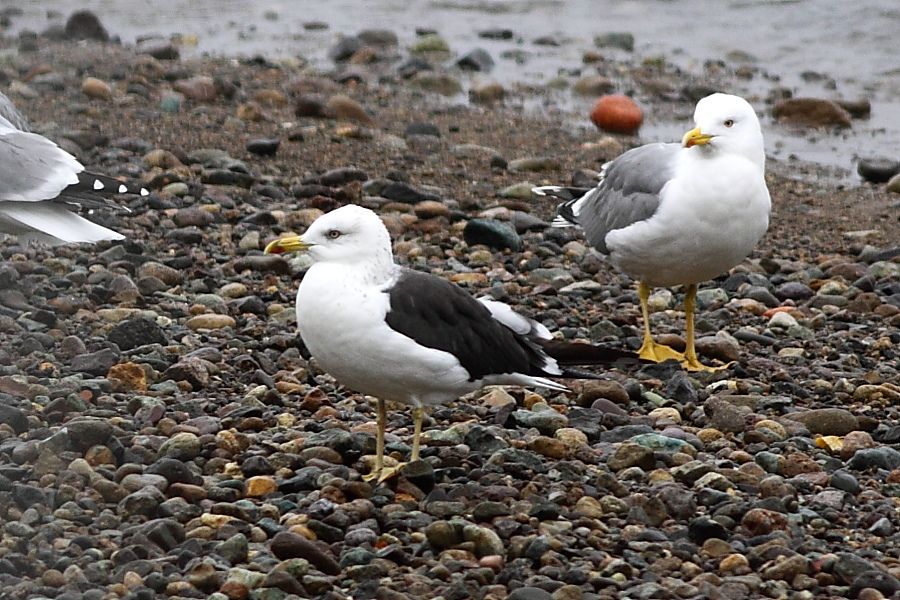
520,324
561,222
52,223
543,189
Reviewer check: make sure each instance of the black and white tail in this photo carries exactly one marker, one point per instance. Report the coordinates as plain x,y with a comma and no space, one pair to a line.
567,209
103,184
92,189
558,357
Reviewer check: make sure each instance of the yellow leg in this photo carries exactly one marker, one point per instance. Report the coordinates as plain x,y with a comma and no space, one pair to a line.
418,415
650,350
691,362
382,473
381,424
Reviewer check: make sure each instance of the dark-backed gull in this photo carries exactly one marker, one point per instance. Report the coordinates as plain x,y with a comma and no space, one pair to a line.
411,337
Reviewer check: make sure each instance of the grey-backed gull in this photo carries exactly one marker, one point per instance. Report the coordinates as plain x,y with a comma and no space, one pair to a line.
678,214
411,337
41,184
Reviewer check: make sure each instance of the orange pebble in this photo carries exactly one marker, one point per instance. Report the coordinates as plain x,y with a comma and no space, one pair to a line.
617,114
779,309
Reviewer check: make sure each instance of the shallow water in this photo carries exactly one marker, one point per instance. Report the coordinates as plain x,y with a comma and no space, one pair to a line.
852,43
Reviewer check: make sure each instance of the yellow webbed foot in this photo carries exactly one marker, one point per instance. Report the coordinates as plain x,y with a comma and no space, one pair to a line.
384,473
659,353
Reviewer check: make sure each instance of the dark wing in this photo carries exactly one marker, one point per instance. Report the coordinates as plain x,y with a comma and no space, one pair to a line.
440,315
581,353
627,193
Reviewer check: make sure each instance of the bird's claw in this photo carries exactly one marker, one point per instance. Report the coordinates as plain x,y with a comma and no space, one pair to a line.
657,352
695,366
383,474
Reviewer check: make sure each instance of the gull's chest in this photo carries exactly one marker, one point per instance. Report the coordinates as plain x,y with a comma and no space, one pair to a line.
343,325
330,308
708,221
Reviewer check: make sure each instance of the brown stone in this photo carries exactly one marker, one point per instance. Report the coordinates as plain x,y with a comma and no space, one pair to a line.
487,93
96,89
428,209
249,111
210,321
235,590
811,112
718,347
864,303
796,463
200,88
760,521
631,455
13,387
127,377
343,107
593,85
855,441
287,545
602,388
99,455
827,421
270,97
549,447
191,493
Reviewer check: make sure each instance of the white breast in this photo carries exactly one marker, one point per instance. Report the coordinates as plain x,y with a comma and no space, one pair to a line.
344,328
709,220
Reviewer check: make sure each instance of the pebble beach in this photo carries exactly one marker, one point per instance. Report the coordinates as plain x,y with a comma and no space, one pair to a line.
165,434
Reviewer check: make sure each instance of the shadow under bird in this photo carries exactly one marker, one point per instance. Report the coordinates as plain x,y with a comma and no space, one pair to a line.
677,214
411,337
42,185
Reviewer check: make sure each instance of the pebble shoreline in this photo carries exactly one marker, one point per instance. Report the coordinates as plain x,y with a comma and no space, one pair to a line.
163,433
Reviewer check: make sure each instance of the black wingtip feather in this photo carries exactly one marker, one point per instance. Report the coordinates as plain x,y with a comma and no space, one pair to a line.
103,184
565,212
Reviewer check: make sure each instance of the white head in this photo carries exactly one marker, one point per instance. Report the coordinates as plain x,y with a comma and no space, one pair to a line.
349,235
726,123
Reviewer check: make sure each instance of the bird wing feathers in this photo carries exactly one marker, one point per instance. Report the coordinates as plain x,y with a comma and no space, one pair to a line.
628,192
50,223
32,168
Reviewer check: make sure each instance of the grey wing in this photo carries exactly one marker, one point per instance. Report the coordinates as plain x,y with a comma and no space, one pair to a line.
33,168
13,117
628,192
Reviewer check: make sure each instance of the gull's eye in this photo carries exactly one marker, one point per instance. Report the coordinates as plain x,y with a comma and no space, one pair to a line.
729,123
333,234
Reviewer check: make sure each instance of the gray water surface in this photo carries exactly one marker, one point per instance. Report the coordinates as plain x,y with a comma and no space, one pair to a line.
851,44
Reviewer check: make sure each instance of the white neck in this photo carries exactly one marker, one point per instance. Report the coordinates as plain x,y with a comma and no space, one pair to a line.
376,269
751,150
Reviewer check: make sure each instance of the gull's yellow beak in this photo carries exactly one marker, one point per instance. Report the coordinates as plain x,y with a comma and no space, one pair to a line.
284,245
695,137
